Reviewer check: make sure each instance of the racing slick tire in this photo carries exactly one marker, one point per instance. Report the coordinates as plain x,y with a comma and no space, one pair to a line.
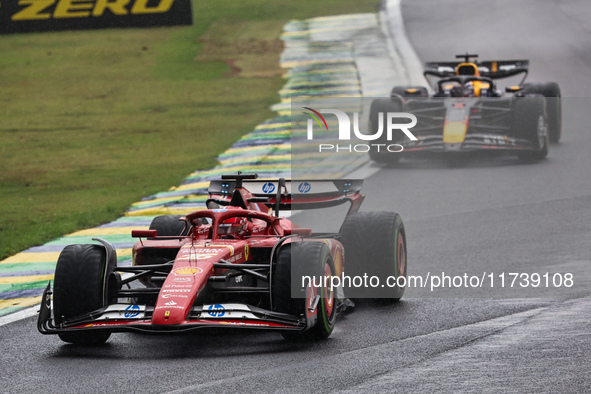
409,91
530,122
375,246
169,226
383,106
293,262
84,281
551,91
165,226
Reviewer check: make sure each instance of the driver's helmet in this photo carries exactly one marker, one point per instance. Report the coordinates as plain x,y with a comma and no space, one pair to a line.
235,225
469,89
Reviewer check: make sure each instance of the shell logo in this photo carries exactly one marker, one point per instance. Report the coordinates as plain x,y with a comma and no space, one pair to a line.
187,271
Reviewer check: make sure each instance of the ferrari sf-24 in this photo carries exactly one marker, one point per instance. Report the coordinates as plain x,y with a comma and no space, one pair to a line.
236,264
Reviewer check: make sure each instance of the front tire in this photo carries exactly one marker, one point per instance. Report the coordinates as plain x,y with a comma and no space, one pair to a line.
81,285
551,91
294,261
375,245
530,122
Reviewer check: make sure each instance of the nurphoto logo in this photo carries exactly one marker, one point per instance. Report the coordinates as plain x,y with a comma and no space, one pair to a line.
383,133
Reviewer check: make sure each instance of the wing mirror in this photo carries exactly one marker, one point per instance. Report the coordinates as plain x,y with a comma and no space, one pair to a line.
513,89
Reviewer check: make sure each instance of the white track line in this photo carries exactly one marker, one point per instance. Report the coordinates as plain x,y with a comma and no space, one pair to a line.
20,315
411,62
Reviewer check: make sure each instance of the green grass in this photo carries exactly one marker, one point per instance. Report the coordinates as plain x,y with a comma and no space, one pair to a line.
92,121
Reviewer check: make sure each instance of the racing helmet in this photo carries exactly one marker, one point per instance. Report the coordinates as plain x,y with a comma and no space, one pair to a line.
232,226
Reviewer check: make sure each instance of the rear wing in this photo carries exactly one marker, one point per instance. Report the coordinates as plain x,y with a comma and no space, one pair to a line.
495,69
284,194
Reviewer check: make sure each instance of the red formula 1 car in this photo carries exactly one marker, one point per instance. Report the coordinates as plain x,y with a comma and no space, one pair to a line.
237,264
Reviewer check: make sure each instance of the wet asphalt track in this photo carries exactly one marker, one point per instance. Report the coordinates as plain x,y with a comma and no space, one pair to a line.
486,215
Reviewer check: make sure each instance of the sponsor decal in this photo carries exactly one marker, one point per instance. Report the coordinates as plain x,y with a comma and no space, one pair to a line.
497,140
213,248
187,271
235,258
235,323
268,188
344,131
169,307
182,279
219,210
176,290
40,15
172,285
216,310
208,250
198,254
174,296
171,302
250,323
304,187
246,251
132,311
98,325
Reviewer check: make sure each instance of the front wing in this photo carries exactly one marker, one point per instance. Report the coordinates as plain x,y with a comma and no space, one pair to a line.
472,142
132,317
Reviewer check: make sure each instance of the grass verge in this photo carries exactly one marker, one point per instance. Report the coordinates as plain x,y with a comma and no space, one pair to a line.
93,121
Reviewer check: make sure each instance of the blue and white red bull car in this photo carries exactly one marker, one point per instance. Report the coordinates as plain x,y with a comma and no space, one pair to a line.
467,112
236,264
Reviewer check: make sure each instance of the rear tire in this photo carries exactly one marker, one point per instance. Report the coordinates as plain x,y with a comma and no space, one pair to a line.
169,226
530,122
81,285
375,245
551,91
304,259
